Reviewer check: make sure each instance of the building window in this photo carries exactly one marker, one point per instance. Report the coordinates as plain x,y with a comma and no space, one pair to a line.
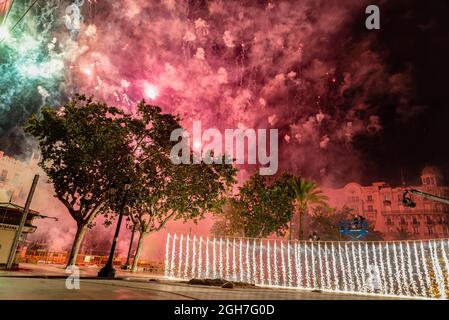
370,208
389,222
387,202
430,229
370,198
415,230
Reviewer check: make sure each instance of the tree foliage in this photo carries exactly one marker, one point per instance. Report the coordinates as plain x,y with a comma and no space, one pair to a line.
261,207
83,148
228,221
325,222
181,192
90,149
306,193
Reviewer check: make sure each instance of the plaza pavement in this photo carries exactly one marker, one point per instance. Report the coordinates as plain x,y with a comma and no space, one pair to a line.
43,282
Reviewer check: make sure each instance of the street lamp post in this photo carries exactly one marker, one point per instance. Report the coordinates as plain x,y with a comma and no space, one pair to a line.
108,270
126,266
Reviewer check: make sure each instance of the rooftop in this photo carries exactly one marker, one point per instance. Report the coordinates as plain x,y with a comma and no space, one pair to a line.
16,208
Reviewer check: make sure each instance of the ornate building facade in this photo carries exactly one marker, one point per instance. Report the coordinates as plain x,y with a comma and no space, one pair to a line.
382,206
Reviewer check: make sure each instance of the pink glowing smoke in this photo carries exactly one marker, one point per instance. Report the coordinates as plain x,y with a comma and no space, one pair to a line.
297,66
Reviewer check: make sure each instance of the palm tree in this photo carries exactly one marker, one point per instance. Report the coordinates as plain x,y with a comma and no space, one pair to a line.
305,193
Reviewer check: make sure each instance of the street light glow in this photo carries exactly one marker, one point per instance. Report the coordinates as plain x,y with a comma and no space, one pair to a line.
4,34
151,91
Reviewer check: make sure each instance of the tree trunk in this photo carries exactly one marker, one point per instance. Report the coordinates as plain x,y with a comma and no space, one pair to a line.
80,232
138,251
301,224
290,230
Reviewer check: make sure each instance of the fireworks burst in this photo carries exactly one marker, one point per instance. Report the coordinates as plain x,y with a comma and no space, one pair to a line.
226,63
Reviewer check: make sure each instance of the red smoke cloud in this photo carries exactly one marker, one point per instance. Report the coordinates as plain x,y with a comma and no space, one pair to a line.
307,68
296,66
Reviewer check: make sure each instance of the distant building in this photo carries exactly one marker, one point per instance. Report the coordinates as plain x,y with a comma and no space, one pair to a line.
15,181
16,176
382,206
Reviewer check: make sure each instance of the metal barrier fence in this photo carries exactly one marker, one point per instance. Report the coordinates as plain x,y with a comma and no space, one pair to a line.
418,269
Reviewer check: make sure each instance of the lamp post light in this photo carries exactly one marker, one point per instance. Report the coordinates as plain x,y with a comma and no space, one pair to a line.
133,228
108,270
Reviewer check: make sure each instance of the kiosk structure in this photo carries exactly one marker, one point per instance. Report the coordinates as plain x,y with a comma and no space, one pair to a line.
10,216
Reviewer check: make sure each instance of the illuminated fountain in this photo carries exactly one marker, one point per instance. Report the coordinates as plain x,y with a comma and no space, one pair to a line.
407,268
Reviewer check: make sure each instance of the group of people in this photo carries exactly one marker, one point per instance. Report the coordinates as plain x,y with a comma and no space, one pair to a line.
314,237
358,222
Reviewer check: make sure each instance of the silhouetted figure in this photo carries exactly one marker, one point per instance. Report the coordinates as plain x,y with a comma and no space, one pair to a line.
362,222
355,222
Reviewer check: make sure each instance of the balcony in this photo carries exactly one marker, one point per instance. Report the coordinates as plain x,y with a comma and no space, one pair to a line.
397,212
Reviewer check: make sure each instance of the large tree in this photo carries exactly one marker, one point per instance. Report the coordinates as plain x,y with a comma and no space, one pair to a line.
306,193
261,207
89,149
325,221
182,192
228,221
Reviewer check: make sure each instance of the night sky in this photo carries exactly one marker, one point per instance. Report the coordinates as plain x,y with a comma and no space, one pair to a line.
416,36
351,104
